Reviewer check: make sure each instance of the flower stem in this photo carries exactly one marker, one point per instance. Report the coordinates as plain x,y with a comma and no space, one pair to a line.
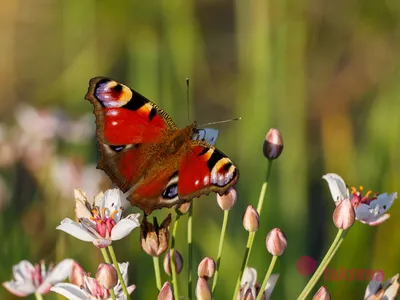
113,294
324,263
38,296
221,244
250,239
190,246
105,255
267,275
246,256
172,257
156,263
121,279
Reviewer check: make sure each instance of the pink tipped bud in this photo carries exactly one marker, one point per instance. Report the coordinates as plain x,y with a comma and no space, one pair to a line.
251,219
77,275
343,216
273,144
106,276
322,294
178,262
166,292
206,268
183,208
203,291
227,200
276,242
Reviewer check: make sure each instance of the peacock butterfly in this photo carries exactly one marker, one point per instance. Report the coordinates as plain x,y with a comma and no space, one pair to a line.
147,156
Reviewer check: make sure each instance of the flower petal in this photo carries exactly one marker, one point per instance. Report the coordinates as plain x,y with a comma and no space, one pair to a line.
337,187
272,280
23,270
374,285
76,230
125,226
112,201
19,288
249,276
58,274
81,210
383,202
102,243
70,291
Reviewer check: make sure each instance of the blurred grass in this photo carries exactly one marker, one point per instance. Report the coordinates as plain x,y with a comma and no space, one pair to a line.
325,73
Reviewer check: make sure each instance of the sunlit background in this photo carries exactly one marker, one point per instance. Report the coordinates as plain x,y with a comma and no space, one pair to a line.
325,73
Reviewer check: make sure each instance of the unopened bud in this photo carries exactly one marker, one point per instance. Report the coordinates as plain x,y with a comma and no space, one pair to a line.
276,242
206,268
251,219
178,262
227,200
183,208
203,291
273,144
322,294
77,275
343,216
106,276
154,238
166,292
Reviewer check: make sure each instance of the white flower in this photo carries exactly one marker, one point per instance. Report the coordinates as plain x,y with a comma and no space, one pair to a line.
378,290
92,290
30,279
370,209
100,221
249,287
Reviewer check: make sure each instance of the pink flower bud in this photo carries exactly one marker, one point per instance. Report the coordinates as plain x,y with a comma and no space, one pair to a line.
206,268
227,200
178,262
106,276
166,292
273,144
251,219
77,275
322,294
344,216
203,291
276,242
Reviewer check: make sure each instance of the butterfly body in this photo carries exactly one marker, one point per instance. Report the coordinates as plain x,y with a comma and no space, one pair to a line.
144,152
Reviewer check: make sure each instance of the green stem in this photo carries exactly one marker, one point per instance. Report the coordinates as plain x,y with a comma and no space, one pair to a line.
113,297
221,244
105,255
121,279
244,263
156,263
190,245
38,296
264,188
269,272
172,257
324,263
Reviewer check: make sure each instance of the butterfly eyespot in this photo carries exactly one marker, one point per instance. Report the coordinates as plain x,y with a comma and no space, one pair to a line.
170,192
117,148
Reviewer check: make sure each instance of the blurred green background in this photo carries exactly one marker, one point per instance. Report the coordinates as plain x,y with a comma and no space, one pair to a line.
325,73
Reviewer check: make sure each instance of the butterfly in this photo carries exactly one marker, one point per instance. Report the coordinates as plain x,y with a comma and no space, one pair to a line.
147,156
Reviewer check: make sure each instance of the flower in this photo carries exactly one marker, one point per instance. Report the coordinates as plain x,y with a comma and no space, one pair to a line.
322,294
249,287
30,279
276,242
369,209
203,291
100,221
227,200
251,219
273,144
91,289
343,216
154,238
166,292
178,259
106,276
378,290
206,268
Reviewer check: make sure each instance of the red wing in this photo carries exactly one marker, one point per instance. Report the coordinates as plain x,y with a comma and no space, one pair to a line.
205,169
123,116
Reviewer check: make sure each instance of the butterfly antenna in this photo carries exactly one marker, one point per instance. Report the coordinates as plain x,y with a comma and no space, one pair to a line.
220,122
187,98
